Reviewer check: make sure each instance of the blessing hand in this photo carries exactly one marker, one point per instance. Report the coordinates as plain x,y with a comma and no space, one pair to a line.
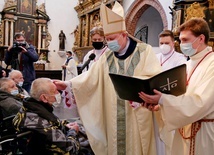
60,84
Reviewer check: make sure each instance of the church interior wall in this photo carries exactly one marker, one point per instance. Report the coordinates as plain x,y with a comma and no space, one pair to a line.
153,20
164,3
64,17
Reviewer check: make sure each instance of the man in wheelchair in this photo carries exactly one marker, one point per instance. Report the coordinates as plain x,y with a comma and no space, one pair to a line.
50,135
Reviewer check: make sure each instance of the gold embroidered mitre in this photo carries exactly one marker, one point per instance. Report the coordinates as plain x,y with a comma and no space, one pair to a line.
112,20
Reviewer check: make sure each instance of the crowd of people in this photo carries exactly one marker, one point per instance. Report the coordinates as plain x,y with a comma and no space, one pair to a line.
163,124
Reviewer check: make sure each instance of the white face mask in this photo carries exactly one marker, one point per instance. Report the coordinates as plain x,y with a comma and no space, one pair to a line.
165,49
14,92
58,100
187,48
20,84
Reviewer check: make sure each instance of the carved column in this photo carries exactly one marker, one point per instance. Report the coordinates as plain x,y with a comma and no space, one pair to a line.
11,31
6,32
39,36
87,30
43,37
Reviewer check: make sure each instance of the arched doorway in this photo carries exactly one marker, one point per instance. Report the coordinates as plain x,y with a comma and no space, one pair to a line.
145,20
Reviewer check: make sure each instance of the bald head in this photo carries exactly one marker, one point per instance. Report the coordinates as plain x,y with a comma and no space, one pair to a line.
42,86
16,76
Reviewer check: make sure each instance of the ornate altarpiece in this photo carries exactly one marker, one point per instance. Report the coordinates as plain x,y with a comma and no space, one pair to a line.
89,16
27,17
183,10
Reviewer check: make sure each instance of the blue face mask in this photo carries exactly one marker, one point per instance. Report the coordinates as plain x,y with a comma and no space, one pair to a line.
20,84
114,45
14,92
187,48
58,100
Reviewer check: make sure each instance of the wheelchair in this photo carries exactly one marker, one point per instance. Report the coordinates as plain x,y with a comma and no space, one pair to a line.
11,141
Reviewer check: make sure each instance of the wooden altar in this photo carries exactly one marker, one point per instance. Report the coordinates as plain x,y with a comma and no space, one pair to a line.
25,16
183,10
52,74
89,16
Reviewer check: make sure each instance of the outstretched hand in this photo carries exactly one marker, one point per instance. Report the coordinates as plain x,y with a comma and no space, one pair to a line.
60,85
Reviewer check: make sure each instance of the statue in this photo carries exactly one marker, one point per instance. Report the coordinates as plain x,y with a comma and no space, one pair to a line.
10,3
62,39
76,35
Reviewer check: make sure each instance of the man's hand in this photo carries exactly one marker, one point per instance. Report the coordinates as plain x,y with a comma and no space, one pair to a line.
60,85
151,101
24,50
73,125
9,48
63,66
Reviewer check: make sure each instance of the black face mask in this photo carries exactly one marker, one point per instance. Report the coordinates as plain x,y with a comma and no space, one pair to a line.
97,45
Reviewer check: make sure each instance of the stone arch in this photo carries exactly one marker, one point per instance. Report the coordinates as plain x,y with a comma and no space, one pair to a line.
137,9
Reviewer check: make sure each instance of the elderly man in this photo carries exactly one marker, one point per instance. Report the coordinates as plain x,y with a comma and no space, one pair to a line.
10,103
17,77
50,135
112,125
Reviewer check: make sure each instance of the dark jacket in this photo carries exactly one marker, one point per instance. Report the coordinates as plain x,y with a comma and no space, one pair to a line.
28,60
50,135
1,69
9,104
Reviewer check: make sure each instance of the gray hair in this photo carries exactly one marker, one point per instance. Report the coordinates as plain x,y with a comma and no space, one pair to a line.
4,84
13,73
40,86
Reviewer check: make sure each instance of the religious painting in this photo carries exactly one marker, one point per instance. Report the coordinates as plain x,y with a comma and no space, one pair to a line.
95,20
28,28
84,33
26,7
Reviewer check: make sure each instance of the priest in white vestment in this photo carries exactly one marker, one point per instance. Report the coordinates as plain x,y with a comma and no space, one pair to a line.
69,68
191,114
168,57
113,127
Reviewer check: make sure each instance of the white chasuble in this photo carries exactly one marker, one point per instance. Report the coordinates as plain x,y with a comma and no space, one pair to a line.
112,125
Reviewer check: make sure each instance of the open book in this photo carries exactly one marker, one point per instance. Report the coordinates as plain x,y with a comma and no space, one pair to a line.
172,81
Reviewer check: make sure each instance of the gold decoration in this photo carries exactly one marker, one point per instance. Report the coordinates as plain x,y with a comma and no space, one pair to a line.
1,34
211,4
76,35
42,7
10,3
48,39
89,16
195,10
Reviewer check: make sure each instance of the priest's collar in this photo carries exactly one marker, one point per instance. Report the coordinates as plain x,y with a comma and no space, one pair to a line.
201,54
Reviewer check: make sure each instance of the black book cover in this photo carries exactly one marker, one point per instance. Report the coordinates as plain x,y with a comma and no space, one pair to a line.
172,81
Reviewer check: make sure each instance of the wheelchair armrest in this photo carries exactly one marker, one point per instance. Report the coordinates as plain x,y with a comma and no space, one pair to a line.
14,136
